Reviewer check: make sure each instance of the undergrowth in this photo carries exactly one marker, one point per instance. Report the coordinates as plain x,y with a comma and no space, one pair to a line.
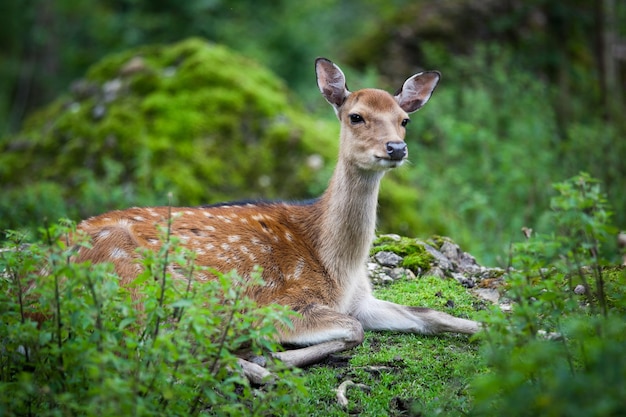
560,351
73,342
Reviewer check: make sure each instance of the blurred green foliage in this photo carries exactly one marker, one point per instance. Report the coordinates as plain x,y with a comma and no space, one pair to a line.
559,351
193,118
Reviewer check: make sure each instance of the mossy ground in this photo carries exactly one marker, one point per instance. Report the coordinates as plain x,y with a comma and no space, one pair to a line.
406,374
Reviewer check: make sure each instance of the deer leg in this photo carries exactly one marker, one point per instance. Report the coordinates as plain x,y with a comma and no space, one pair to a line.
322,331
377,314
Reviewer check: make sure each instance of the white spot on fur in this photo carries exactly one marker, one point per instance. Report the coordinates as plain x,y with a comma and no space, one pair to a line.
139,218
104,233
225,246
234,238
297,273
289,236
153,242
225,219
246,251
124,222
119,253
209,228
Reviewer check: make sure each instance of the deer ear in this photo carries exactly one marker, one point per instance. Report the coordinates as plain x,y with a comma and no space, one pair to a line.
331,82
416,91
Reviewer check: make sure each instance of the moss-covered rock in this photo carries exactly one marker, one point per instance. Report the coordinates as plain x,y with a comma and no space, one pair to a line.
414,255
193,118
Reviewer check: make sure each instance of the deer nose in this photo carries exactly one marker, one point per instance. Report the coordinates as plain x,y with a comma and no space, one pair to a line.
396,150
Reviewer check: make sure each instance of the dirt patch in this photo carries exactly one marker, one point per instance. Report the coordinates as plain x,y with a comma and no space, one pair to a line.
404,407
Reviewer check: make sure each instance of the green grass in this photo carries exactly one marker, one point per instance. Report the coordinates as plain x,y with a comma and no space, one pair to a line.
407,374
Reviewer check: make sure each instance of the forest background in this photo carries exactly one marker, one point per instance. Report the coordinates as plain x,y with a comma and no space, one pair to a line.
532,93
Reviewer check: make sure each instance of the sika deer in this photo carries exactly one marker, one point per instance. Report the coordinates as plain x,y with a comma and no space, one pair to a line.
313,255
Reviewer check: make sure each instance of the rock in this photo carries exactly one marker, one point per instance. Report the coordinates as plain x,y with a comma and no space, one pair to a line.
385,279
489,294
580,289
467,282
388,259
372,266
451,251
392,236
435,272
136,64
111,90
467,262
399,273
450,261
441,261
98,112
506,306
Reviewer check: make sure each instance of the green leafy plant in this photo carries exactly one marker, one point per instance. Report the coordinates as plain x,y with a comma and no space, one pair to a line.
74,342
559,350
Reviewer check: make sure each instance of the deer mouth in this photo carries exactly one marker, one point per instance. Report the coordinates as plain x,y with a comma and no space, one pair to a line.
385,162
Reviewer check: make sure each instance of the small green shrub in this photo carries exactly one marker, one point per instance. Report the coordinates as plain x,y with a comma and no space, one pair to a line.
97,351
560,351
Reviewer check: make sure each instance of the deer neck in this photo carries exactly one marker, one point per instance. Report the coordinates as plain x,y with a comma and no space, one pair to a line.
348,219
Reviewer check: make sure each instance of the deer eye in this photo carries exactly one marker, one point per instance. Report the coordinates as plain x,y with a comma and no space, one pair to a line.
356,119
405,122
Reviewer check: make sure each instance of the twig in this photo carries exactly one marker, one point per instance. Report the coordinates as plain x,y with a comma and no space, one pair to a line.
255,373
343,388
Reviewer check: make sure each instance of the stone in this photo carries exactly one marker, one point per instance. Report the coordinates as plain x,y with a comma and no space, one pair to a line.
467,282
388,259
435,272
399,273
450,251
441,261
489,294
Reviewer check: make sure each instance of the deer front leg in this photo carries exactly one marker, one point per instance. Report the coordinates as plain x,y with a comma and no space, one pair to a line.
377,314
323,331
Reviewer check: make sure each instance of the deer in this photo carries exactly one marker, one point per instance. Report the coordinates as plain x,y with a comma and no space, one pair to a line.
313,255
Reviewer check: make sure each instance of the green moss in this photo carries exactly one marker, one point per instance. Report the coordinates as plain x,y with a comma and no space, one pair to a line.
193,118
415,257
